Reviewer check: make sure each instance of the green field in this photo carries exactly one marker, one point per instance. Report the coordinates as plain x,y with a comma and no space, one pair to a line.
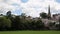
29,32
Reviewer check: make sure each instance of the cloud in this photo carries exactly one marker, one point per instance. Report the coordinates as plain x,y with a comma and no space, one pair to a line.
7,5
30,7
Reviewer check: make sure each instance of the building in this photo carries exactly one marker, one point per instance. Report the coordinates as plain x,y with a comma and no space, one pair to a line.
49,13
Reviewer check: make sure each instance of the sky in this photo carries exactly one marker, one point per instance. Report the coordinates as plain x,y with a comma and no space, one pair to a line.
30,7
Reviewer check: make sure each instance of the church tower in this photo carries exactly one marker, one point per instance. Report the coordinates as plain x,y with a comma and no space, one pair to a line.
49,13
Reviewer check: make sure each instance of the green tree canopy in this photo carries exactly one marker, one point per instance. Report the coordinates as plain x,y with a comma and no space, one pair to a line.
5,22
43,15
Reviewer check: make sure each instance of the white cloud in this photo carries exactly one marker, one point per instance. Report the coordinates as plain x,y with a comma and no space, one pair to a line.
32,7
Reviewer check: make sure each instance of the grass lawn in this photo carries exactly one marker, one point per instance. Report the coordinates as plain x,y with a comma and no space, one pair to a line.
29,32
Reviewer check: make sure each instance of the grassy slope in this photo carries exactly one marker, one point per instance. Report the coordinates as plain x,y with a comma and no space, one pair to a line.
29,32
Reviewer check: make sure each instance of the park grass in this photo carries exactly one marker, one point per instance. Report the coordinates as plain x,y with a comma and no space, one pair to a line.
29,32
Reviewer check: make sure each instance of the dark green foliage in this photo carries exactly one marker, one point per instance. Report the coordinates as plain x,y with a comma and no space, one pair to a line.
40,24
43,15
4,23
8,14
16,22
23,23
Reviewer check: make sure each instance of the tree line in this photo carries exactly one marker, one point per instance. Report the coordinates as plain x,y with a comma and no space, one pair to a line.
21,23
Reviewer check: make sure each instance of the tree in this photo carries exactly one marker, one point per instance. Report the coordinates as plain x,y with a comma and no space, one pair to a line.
58,26
4,23
8,14
23,15
1,14
16,23
40,24
43,15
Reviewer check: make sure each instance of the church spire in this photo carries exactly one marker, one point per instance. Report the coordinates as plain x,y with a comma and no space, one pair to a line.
49,14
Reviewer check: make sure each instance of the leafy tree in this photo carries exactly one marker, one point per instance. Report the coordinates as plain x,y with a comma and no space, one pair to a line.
16,22
59,24
1,14
43,15
40,24
23,15
4,23
8,14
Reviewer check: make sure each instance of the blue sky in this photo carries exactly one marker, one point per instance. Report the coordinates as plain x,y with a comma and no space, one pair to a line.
17,12
58,1
24,1
30,7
